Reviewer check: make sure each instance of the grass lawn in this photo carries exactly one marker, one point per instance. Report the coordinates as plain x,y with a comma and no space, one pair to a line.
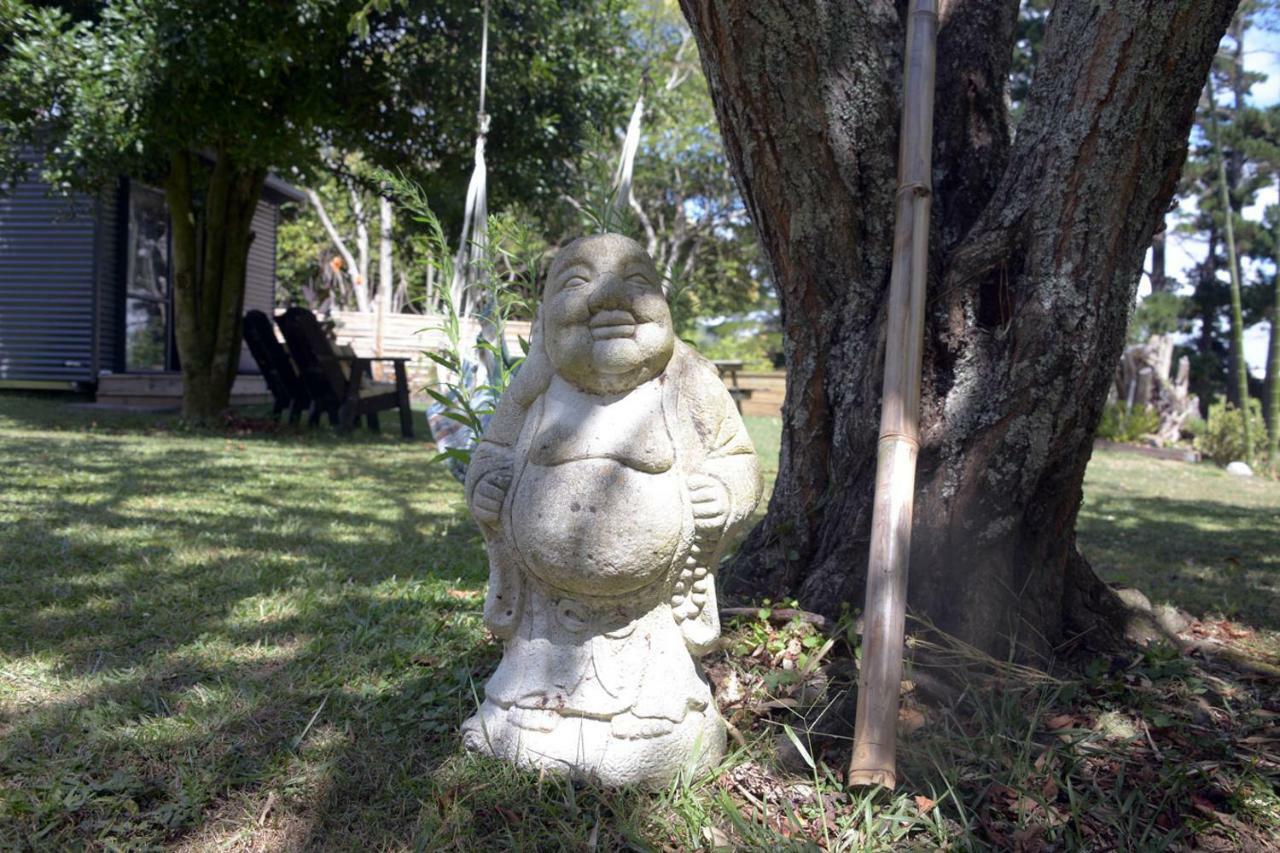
248,640
1188,535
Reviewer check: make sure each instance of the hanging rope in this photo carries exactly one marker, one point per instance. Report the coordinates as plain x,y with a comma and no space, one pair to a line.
472,381
468,265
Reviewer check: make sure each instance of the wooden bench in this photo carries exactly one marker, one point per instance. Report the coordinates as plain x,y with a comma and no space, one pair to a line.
730,369
342,386
282,378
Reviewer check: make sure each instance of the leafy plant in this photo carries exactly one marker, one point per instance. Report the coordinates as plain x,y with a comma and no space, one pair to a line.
508,279
1127,426
1222,438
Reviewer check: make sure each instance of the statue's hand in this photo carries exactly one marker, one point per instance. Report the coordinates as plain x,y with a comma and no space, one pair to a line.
490,492
710,502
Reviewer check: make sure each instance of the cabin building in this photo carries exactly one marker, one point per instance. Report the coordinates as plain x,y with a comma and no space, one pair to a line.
86,300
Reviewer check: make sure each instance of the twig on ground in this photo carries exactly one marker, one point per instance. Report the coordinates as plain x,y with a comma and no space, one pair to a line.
785,614
298,740
266,810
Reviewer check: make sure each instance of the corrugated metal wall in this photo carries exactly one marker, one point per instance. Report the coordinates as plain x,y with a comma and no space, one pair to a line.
260,277
47,275
110,287
53,326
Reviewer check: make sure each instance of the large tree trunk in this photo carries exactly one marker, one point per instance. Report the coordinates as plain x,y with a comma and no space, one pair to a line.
1160,281
1040,243
210,258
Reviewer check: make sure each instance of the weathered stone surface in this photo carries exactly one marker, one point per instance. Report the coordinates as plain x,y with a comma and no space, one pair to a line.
1239,469
614,473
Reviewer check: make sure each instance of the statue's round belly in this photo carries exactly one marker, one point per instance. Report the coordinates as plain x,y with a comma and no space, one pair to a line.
595,526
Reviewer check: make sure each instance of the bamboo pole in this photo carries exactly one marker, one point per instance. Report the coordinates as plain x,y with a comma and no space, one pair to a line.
1273,365
875,733
1241,367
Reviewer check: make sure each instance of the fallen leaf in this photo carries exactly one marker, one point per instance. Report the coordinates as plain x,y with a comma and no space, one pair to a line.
923,803
1203,804
911,719
1061,721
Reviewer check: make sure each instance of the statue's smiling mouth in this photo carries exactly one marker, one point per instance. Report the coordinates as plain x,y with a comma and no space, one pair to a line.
612,324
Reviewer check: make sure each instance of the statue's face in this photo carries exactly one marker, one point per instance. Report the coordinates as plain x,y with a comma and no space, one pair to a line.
606,323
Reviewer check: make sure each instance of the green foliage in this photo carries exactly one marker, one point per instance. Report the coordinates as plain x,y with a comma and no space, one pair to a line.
1246,138
1192,427
508,277
1033,22
1127,427
204,98
272,84
1157,314
745,338
1222,438
686,210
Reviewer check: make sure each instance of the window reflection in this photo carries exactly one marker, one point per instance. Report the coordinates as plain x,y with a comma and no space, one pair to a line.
147,282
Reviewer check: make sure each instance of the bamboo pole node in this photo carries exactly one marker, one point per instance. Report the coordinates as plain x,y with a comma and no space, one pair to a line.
919,189
900,436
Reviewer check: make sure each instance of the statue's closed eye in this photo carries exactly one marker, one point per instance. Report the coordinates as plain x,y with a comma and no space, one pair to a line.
640,279
574,281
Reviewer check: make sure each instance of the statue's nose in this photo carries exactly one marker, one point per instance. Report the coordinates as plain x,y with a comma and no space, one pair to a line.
611,292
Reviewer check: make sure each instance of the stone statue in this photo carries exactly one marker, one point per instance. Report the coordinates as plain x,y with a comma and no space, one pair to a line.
612,476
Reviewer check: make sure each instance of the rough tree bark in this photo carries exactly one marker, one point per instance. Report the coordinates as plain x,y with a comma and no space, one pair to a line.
1039,246
210,256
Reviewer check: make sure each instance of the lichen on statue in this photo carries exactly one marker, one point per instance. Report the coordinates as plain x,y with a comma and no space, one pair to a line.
614,473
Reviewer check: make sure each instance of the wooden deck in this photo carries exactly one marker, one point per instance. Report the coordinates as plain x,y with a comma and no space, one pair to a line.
164,390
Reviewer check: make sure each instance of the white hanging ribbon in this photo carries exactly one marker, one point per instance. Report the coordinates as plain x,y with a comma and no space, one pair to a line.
468,263
626,165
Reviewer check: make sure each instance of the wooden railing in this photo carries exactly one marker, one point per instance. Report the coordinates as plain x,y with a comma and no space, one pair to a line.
409,336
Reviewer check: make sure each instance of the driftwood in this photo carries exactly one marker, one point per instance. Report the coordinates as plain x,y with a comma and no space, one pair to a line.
1144,379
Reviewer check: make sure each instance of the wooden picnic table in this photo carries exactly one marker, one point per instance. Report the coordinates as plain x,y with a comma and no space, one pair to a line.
730,368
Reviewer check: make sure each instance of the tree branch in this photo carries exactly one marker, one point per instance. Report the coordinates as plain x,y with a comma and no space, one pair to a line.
339,244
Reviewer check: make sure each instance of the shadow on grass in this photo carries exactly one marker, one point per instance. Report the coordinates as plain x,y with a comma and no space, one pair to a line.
207,637
190,622
1204,556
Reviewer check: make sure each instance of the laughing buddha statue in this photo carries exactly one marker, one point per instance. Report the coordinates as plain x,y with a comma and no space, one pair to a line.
614,473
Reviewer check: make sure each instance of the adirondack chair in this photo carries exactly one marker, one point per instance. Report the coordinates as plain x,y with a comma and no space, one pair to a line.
342,386
282,379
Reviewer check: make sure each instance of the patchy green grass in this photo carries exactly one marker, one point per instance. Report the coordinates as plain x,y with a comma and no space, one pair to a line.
267,640
766,435
1188,535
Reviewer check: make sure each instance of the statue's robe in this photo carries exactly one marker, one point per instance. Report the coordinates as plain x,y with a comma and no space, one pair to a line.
596,533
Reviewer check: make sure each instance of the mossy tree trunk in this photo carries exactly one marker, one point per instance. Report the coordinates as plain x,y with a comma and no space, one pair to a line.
1039,243
212,229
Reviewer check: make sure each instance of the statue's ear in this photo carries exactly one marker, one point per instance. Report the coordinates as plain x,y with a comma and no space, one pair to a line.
535,373
531,379
535,333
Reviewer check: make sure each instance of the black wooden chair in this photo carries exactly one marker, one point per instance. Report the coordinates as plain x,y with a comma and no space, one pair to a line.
342,386
283,381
